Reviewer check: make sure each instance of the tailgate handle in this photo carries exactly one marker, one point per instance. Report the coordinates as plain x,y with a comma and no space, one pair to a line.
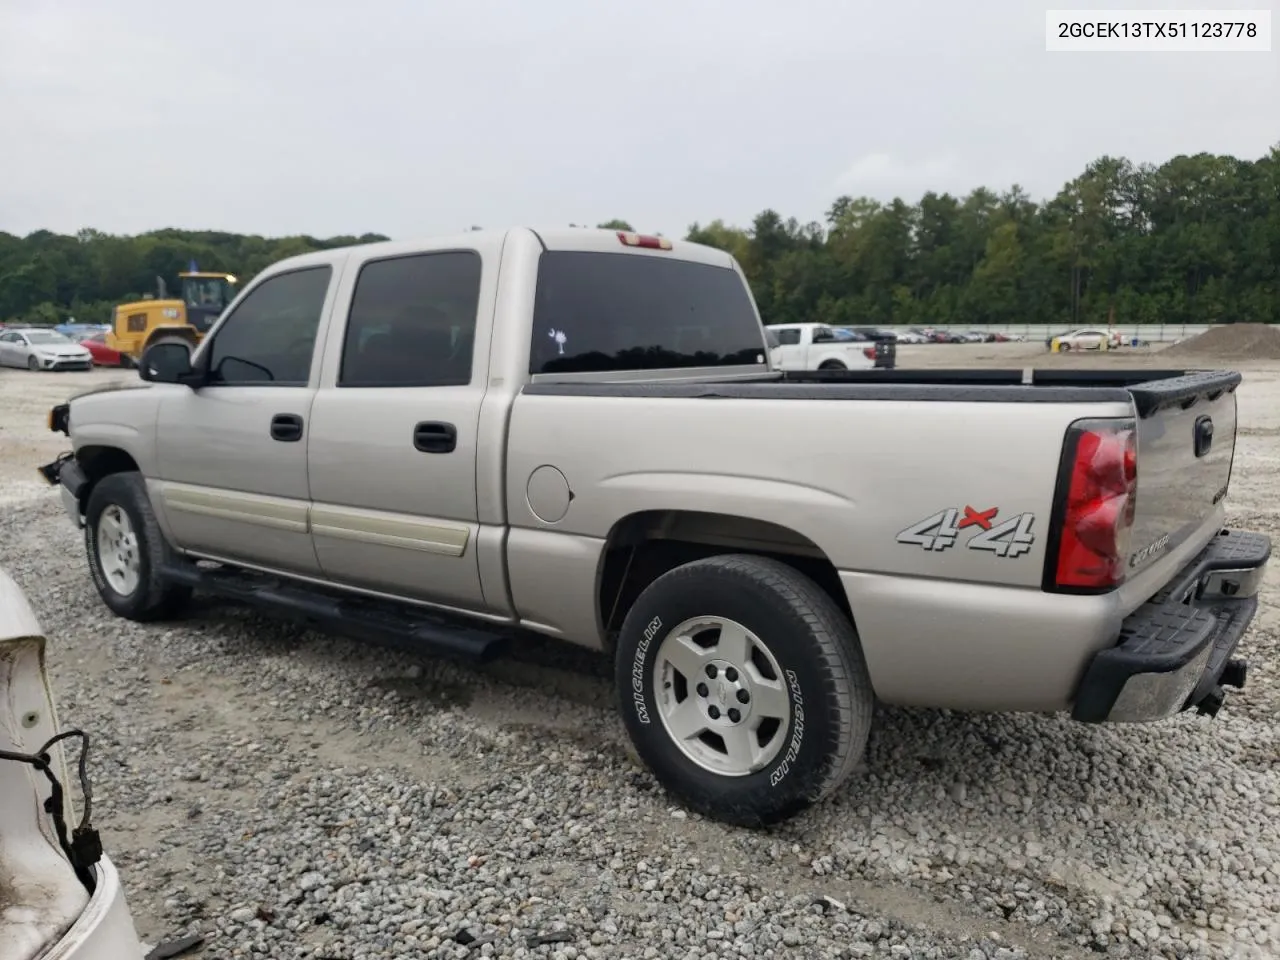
1203,435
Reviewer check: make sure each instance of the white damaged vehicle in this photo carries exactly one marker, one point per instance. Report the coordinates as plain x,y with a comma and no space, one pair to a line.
60,897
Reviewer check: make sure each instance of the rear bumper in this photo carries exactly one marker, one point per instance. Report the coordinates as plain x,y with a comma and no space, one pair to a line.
1175,651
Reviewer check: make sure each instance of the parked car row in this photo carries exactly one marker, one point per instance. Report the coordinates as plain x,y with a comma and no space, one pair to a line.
921,335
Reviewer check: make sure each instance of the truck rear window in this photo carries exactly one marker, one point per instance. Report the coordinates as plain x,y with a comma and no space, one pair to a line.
603,312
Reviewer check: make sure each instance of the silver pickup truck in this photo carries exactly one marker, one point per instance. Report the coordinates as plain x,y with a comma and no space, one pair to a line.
449,443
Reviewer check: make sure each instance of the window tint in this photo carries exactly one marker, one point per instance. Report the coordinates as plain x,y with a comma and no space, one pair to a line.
270,336
618,311
788,338
413,322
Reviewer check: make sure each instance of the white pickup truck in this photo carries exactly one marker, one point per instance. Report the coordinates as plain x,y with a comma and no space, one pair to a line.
447,444
816,346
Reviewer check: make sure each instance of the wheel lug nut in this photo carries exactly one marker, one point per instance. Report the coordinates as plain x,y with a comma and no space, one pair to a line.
702,690
743,696
731,675
713,713
711,670
734,716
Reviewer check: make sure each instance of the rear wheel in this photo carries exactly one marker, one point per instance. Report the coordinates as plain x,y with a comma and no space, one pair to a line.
832,365
126,551
744,688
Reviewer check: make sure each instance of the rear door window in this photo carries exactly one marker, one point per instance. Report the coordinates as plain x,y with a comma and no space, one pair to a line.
602,312
413,321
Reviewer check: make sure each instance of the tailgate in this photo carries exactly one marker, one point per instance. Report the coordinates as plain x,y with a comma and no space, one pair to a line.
1186,442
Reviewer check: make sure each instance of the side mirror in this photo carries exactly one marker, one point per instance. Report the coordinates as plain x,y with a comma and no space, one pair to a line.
166,362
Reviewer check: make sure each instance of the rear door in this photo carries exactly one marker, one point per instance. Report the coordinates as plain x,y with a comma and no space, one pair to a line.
394,426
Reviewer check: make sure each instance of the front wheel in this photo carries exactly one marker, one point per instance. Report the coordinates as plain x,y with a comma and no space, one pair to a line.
126,551
744,688
33,363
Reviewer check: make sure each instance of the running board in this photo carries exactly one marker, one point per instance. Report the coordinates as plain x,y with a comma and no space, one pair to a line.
400,626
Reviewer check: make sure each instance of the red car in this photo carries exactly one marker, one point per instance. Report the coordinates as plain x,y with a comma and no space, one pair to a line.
103,356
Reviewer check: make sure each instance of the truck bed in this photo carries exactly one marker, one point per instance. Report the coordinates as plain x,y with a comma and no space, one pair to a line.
1149,390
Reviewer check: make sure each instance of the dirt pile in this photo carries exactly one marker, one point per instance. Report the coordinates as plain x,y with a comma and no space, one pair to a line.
1231,341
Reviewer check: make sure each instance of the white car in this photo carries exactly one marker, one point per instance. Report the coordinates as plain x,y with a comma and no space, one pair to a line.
38,349
910,336
47,909
1090,338
816,346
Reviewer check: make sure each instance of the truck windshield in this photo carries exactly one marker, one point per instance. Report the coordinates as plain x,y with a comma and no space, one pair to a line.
604,312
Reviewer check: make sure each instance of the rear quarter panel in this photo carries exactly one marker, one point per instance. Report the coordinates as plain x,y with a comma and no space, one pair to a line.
848,475
956,627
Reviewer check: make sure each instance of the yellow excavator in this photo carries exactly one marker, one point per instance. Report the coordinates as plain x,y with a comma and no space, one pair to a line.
188,317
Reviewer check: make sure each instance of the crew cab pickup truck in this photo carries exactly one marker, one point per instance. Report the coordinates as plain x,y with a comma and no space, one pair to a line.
447,444
815,346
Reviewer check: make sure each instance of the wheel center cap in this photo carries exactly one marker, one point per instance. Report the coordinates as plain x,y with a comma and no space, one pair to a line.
724,693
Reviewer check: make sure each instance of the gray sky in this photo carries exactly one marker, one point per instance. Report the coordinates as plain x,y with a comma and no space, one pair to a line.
413,117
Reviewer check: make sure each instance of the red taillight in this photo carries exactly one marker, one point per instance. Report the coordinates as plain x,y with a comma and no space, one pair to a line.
869,352
640,240
1100,499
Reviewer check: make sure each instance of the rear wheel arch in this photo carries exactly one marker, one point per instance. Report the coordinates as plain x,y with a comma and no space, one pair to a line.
645,545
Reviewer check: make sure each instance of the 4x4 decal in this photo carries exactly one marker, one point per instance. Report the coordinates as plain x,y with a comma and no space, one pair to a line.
939,531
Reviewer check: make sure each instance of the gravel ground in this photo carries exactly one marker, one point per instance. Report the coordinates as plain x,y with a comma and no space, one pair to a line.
288,794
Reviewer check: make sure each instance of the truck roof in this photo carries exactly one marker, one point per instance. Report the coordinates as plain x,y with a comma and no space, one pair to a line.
574,239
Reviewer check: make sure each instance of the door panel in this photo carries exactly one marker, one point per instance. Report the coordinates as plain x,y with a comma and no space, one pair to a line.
233,454
230,489
386,515
392,448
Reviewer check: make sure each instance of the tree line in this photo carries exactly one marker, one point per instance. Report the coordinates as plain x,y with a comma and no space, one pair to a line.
1194,240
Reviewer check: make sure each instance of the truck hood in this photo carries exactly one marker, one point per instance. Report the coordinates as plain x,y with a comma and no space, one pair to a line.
109,388
40,896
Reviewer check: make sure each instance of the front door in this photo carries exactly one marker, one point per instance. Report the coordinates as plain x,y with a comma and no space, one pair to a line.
393,430
233,454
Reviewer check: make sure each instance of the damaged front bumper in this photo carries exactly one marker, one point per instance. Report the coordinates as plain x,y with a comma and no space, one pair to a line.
70,479
1176,650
